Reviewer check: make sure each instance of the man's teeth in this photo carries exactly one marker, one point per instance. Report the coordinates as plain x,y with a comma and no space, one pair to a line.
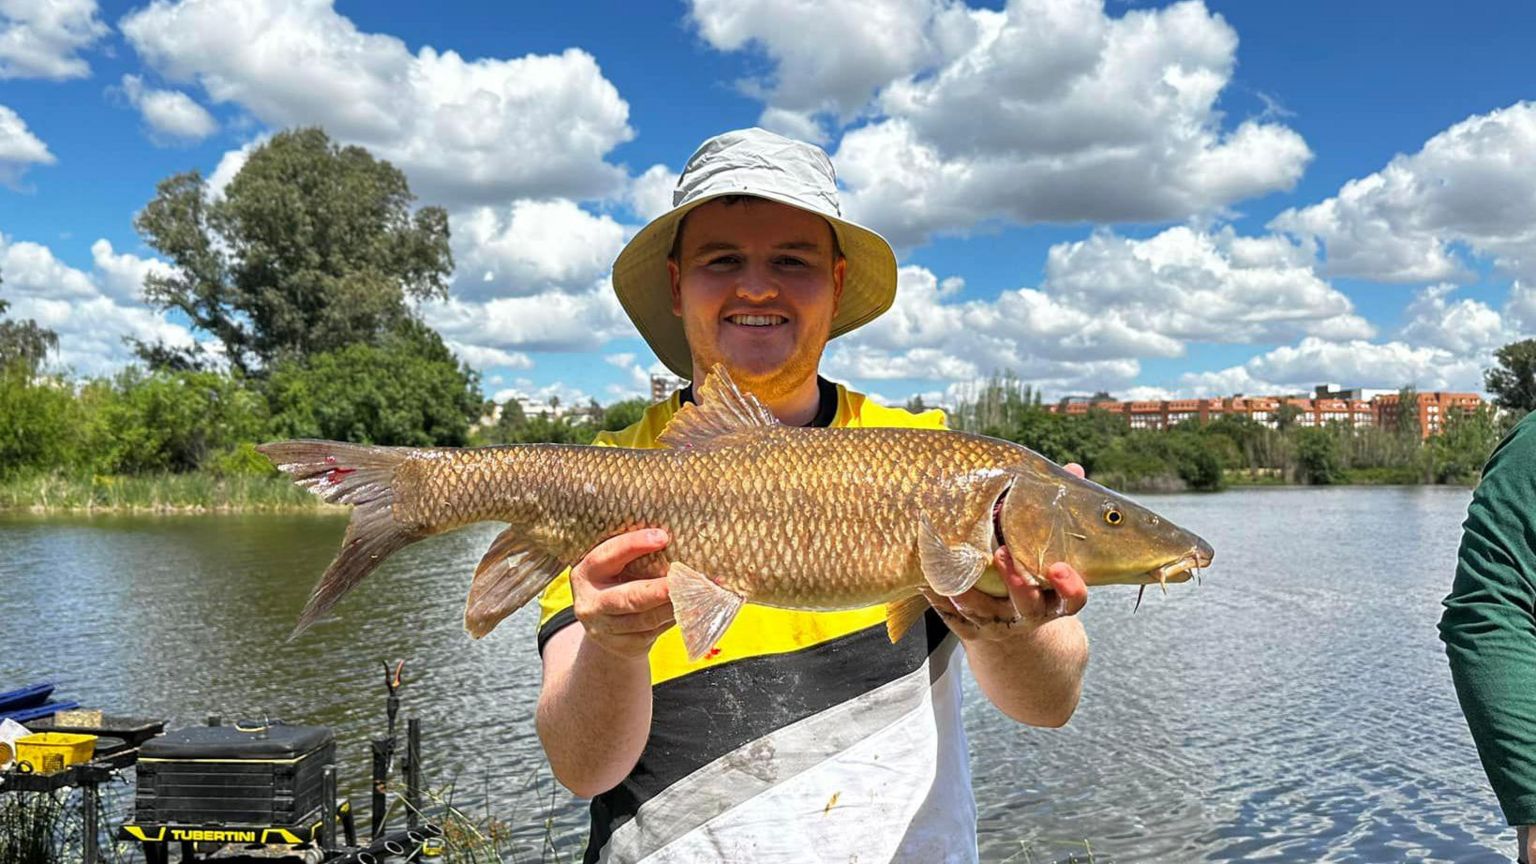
757,320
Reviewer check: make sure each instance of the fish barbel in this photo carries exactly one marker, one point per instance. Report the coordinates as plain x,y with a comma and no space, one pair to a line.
798,518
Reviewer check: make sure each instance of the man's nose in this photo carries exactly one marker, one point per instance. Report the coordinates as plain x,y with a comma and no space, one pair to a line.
756,284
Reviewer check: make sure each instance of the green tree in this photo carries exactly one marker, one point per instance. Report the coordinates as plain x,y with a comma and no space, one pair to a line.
1408,414
1317,457
39,422
407,390
311,248
1464,445
1513,381
24,342
621,415
1286,416
170,421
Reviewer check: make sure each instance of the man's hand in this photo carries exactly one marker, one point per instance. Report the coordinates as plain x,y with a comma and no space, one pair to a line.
623,605
978,615
1526,834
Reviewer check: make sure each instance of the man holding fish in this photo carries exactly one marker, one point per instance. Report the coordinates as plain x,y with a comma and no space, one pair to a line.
756,277
755,652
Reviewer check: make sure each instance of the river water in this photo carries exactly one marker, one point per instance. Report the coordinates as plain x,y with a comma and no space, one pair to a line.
1296,706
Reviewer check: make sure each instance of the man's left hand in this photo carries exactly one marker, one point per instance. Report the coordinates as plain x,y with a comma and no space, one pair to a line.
978,615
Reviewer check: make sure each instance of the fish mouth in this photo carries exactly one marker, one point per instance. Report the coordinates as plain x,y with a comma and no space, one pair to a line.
1184,568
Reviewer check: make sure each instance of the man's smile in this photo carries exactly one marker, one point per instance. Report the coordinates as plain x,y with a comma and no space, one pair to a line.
744,320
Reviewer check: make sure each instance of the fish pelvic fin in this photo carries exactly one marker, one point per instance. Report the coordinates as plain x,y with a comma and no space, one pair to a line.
357,474
948,569
721,409
511,573
702,609
902,614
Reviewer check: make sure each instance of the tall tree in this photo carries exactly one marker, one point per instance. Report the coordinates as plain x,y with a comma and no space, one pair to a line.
1408,413
310,248
24,342
1513,381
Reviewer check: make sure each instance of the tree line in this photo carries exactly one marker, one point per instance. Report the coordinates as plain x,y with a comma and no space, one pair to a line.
1234,449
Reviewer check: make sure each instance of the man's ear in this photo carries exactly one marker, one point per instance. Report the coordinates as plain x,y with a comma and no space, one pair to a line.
675,280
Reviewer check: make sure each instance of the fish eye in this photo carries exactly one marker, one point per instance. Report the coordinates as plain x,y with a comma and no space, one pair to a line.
1113,516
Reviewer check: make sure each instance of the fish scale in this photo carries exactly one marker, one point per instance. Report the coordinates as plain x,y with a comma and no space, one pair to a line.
817,519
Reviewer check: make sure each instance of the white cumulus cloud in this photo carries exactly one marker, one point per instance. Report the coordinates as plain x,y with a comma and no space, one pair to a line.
829,56
1208,286
1300,367
19,148
464,131
171,114
1471,184
1046,111
42,38
532,247
93,312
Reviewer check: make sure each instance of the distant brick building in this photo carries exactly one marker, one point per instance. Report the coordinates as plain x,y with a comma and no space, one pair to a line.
1433,408
1357,408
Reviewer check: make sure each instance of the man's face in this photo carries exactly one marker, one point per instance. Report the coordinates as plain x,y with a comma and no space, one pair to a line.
757,284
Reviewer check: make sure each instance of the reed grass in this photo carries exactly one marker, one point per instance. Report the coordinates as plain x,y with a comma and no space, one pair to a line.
153,493
30,823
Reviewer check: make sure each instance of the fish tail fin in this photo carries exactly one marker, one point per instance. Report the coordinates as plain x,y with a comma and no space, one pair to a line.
356,474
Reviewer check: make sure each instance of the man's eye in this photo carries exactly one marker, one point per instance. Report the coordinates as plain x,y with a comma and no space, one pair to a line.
723,261
791,262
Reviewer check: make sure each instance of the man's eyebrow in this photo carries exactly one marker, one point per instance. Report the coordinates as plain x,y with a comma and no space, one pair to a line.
791,245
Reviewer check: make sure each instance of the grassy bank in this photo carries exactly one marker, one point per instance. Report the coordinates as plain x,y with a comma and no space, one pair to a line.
153,493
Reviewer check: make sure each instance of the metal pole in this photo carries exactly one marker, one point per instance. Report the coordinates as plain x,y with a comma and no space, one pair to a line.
328,801
413,771
88,806
380,785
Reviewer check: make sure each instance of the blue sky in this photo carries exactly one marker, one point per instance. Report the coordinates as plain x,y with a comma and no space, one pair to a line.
1136,197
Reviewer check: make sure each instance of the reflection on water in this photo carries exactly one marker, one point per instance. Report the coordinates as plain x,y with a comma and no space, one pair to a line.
1294,707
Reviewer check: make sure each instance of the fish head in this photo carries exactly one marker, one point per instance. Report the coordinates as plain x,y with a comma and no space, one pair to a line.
1051,515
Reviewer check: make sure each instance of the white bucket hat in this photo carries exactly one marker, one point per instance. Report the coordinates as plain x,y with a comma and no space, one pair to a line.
764,165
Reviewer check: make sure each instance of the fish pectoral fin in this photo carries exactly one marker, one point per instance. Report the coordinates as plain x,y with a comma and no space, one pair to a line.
703,610
721,409
902,614
950,569
512,572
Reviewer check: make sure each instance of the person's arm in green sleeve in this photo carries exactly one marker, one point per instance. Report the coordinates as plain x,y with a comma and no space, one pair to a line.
1489,625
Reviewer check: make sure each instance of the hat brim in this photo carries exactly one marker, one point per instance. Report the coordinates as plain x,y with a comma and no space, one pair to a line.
644,288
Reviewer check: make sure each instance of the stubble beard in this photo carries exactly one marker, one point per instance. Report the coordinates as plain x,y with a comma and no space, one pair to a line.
777,384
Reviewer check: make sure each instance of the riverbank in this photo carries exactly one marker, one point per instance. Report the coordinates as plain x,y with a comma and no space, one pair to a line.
154,493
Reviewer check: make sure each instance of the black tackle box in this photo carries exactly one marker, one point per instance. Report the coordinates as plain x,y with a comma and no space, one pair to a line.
245,774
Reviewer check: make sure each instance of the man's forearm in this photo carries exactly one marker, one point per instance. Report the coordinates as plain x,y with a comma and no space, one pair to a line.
594,712
1036,678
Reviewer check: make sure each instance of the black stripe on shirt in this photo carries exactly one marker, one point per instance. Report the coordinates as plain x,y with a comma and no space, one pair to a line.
702,716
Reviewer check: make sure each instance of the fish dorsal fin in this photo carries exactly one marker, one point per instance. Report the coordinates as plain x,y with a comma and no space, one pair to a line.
721,409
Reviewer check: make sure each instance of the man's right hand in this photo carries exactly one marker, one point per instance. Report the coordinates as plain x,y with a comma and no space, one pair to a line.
623,606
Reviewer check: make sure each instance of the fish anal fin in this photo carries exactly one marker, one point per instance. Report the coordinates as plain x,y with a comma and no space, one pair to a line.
511,573
702,609
721,409
900,615
949,569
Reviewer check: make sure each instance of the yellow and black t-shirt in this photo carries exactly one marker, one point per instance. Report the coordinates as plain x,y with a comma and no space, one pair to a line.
803,735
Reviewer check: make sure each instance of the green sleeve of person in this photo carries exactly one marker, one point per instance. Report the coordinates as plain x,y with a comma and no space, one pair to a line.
1489,624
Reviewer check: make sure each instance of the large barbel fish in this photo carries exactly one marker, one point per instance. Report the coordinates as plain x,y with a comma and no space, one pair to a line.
758,512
